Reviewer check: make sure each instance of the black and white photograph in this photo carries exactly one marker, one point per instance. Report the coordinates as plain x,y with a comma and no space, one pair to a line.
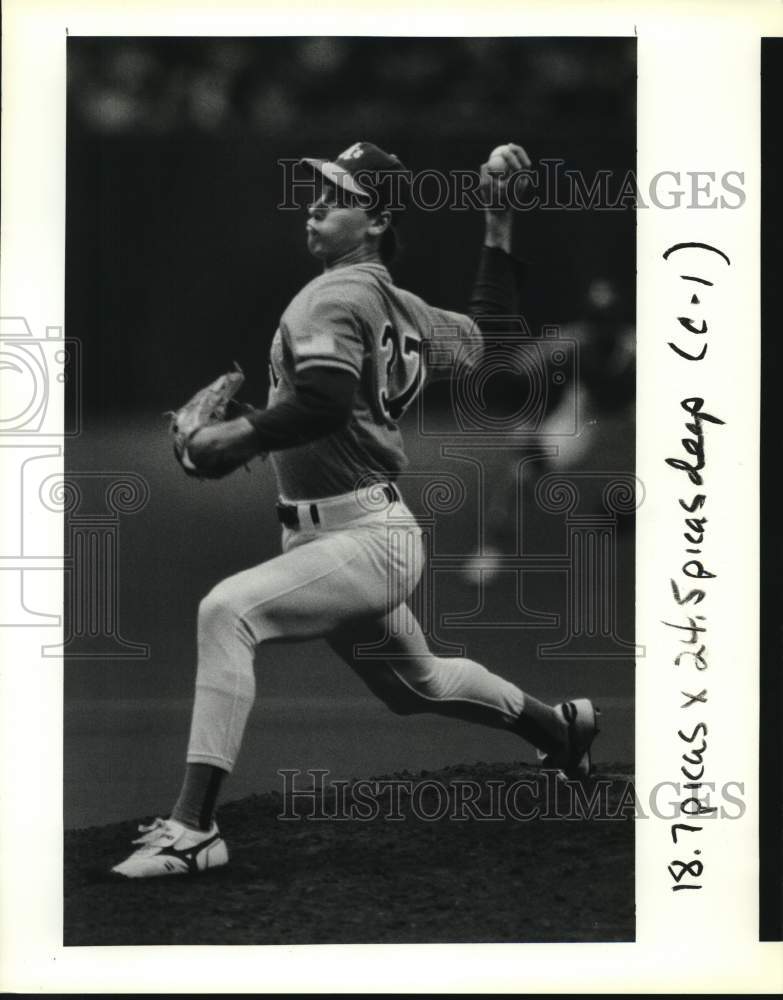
363,645
388,572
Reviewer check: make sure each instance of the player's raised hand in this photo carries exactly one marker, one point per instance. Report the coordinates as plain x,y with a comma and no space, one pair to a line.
504,178
505,170
508,158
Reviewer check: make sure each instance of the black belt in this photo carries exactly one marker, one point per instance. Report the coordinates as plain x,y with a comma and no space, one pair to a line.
288,513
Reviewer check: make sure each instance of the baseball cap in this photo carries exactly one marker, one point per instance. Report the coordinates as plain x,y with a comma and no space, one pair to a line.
375,177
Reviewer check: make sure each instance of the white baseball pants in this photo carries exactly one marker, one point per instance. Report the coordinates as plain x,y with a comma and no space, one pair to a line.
346,579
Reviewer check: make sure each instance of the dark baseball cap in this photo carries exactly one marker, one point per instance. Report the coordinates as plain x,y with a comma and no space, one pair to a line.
377,179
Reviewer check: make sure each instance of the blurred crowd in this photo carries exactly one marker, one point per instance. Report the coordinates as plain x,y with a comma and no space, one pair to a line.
450,86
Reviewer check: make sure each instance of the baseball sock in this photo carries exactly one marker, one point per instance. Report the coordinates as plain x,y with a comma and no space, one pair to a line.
541,725
195,806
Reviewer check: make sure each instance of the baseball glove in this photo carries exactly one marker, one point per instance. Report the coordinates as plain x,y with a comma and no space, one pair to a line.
210,405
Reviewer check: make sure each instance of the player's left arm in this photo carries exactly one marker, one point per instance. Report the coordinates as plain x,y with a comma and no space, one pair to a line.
327,348
321,404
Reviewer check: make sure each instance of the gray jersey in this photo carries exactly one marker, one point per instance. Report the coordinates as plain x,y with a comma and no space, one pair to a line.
356,319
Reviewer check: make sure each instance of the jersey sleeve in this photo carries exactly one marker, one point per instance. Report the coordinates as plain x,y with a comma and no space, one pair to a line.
326,333
453,344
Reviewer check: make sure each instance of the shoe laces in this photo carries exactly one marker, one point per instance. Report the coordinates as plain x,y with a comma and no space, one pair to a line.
156,834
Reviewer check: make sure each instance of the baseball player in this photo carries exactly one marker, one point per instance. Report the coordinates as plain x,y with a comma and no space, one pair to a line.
351,353
605,387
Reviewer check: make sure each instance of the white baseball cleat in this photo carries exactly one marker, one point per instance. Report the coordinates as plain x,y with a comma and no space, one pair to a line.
575,762
170,848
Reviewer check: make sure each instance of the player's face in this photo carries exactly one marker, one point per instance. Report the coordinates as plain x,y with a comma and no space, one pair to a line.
335,225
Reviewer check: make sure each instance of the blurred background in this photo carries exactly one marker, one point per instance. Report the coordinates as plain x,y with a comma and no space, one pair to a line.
178,262
174,242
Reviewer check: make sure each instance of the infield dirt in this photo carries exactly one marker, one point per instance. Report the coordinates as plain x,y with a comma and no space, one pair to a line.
544,878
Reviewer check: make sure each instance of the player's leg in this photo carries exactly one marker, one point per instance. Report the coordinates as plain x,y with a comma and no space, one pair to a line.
301,594
500,526
391,656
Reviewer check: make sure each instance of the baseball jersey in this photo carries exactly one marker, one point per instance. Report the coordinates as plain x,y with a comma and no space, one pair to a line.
354,318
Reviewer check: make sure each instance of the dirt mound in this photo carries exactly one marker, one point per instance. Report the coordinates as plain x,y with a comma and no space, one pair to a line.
475,853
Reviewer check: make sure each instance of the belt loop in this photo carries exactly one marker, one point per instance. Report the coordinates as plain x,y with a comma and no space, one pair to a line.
287,514
315,517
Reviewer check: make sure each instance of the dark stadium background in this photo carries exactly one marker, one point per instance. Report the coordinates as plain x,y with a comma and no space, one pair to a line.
178,263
